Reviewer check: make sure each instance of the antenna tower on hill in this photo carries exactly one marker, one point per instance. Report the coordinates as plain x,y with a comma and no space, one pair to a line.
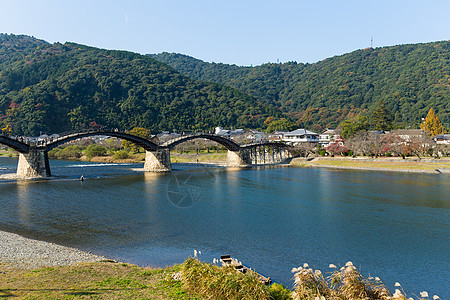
371,42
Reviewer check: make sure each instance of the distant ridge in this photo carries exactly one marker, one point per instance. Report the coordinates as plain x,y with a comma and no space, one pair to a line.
409,78
56,87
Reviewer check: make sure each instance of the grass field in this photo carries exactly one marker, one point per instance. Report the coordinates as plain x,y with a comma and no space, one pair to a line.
101,280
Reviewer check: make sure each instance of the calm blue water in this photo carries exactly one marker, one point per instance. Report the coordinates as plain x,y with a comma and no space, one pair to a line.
391,225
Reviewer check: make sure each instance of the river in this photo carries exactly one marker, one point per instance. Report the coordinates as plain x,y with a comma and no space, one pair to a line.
391,225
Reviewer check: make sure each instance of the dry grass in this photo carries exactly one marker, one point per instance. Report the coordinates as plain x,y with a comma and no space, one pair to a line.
213,282
343,284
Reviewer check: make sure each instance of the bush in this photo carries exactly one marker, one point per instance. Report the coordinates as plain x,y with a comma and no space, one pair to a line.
215,282
69,152
72,151
55,153
279,292
121,154
95,150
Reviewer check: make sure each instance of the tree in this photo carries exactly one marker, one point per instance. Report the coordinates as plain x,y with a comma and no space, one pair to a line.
281,124
351,126
137,131
381,117
432,125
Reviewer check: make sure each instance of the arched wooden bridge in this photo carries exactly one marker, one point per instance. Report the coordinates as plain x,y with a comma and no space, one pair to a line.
33,157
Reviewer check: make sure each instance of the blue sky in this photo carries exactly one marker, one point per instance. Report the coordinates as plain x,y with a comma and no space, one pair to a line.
234,32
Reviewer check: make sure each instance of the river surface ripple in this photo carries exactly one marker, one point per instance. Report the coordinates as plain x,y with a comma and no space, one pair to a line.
391,225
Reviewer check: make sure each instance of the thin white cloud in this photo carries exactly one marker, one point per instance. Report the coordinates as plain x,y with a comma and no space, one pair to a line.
126,18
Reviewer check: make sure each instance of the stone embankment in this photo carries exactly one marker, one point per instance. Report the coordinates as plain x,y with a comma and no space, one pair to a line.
20,252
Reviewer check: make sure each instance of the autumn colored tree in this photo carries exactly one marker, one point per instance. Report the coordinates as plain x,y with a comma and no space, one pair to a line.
432,125
137,131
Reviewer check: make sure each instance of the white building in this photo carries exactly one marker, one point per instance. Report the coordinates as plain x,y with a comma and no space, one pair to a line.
327,137
442,139
301,136
228,133
256,136
277,135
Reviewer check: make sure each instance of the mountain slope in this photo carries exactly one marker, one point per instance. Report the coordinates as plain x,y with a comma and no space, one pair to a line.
57,87
409,78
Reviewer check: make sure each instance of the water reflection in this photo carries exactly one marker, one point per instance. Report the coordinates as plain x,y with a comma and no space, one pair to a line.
24,202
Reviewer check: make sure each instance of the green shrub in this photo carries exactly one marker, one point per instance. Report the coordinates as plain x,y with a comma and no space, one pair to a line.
55,153
279,292
322,152
121,154
95,150
71,151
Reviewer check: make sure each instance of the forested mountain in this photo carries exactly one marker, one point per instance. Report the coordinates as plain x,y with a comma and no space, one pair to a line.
57,87
410,79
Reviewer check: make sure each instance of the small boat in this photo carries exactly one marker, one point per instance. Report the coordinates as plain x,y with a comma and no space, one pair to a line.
227,260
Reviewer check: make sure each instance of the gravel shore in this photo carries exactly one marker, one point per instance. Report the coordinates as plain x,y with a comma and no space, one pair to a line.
20,252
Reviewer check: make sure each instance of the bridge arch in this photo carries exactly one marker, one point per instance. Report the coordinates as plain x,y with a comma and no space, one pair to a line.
144,143
227,143
14,144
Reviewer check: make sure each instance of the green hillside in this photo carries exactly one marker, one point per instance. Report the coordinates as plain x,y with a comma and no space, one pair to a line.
57,87
409,78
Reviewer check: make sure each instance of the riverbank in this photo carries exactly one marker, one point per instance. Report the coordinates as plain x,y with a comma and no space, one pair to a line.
38,270
393,164
20,252
34,269
175,157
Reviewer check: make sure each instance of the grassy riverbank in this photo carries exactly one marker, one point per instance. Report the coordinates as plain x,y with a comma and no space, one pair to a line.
425,165
100,280
218,157
191,280
8,153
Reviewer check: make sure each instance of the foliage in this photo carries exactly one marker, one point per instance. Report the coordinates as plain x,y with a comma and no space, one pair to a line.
215,282
68,152
137,131
59,87
432,125
279,292
121,154
281,124
395,142
409,78
337,148
381,117
350,127
95,150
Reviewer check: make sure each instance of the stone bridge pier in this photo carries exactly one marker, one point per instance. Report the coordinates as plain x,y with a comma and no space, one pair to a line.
33,164
158,161
240,158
